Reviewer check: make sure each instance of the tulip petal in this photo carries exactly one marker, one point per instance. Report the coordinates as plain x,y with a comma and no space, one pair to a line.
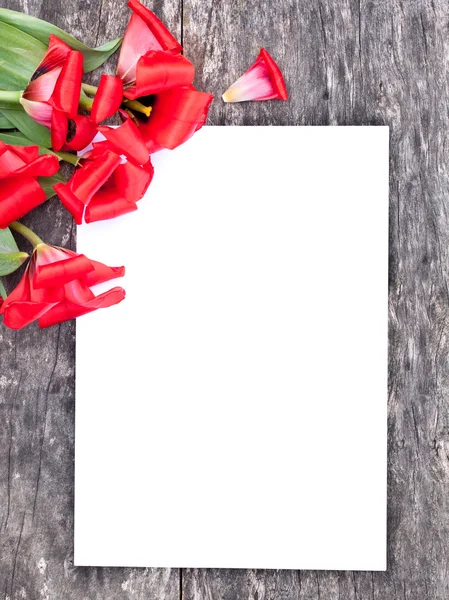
9,161
44,166
145,32
62,271
66,94
108,98
69,310
81,132
26,153
102,273
93,174
164,38
158,71
107,204
19,314
18,195
41,89
38,111
132,181
70,201
176,115
262,81
54,57
59,129
127,140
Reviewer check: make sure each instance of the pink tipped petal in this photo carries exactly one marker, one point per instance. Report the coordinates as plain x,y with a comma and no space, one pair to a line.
41,89
262,81
53,58
145,32
38,111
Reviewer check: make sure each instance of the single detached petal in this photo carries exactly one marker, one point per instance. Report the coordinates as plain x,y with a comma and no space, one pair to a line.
18,195
176,115
158,71
127,140
66,94
262,81
108,98
145,32
69,310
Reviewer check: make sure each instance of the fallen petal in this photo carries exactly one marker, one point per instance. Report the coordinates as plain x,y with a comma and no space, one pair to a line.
262,81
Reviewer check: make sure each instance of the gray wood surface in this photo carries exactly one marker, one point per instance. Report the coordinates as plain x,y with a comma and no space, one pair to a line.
346,62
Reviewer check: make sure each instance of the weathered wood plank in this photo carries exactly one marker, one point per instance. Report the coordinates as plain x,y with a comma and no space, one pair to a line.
346,62
37,404
352,62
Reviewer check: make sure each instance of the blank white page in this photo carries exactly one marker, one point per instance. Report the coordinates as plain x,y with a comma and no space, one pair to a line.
231,412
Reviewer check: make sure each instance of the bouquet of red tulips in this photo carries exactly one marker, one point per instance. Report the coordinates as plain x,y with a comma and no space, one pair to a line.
48,115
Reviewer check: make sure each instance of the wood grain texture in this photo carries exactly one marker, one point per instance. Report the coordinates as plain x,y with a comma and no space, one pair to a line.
346,62
354,62
37,395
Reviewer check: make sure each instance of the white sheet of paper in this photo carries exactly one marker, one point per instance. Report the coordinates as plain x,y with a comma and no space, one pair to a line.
231,412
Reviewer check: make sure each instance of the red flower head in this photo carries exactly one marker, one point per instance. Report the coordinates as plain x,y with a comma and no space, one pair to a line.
152,72
56,287
262,81
51,98
106,184
20,191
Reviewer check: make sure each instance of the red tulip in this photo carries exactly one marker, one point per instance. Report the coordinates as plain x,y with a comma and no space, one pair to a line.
56,287
51,98
106,185
262,81
20,192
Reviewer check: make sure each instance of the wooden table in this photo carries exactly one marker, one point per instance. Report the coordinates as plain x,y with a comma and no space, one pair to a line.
346,62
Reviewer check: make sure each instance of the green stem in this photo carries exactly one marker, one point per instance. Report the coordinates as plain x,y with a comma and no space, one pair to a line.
29,235
10,99
73,159
89,89
86,102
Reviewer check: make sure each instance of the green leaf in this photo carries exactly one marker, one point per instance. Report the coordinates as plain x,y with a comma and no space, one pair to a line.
37,134
41,30
4,123
3,293
7,242
20,54
10,256
16,138
11,262
47,184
